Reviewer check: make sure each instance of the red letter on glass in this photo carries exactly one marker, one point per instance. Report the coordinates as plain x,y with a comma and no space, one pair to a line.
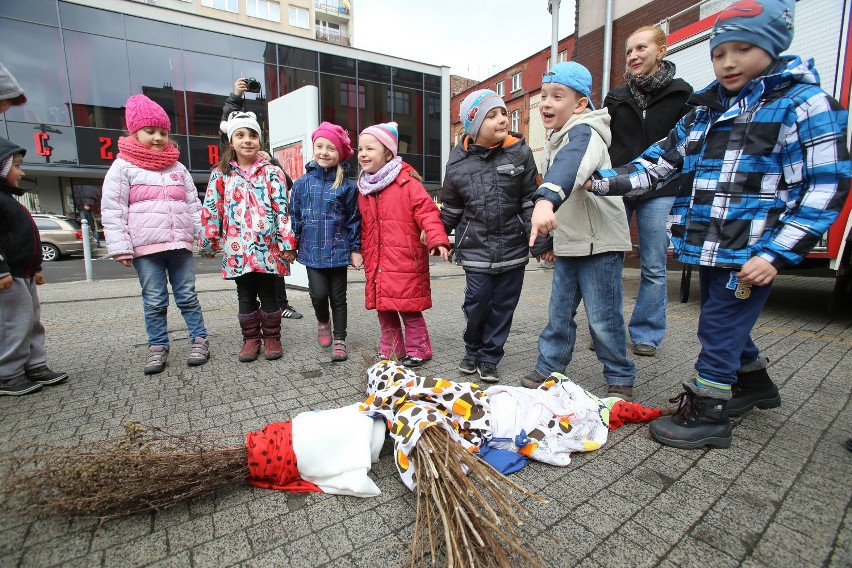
212,154
106,144
42,148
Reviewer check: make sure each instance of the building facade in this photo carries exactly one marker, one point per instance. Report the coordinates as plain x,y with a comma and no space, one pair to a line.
79,62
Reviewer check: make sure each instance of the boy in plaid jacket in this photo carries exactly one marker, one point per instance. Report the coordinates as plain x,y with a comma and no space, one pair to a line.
763,172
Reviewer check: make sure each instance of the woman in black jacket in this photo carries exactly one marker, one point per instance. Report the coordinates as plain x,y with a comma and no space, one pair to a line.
643,112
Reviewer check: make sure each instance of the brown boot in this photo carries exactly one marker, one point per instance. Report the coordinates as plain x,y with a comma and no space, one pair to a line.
271,326
250,324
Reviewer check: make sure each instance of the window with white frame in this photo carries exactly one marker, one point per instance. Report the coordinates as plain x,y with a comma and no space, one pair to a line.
264,10
499,88
561,57
299,18
516,82
227,5
516,121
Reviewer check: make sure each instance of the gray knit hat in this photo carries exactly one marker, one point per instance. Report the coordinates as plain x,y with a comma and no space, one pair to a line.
768,24
475,106
10,89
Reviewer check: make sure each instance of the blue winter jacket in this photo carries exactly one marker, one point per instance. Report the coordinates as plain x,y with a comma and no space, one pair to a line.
325,221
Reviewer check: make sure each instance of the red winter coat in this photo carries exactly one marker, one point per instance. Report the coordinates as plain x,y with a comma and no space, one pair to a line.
395,262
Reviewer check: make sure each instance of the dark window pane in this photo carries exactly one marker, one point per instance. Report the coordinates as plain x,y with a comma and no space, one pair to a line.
406,78
374,110
337,65
414,160
97,146
46,224
205,42
432,169
204,153
292,79
338,101
432,83
408,113
45,144
149,31
433,124
295,57
374,71
100,82
41,11
43,77
86,19
253,50
157,72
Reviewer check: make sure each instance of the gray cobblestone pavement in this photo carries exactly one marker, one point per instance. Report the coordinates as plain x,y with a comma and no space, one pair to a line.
779,497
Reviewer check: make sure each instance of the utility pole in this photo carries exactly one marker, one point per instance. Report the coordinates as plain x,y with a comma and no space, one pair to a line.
553,8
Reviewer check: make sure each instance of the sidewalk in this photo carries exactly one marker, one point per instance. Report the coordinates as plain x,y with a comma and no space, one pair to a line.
779,497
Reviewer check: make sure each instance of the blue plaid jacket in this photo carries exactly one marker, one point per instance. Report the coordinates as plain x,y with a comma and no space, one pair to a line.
325,221
763,175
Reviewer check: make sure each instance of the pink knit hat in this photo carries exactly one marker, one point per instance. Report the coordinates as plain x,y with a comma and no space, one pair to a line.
140,111
338,136
387,134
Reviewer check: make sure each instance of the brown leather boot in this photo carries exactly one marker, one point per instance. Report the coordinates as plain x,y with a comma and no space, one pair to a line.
250,324
271,327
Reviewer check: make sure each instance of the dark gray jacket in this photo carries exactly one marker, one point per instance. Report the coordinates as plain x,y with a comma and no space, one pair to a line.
487,199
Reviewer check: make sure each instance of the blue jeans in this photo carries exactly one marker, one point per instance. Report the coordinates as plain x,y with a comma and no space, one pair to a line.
648,322
489,305
596,280
155,272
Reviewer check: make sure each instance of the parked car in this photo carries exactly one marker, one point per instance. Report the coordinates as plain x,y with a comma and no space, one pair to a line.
59,235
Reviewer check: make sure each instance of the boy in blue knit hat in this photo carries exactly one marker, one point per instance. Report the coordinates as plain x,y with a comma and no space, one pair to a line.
764,170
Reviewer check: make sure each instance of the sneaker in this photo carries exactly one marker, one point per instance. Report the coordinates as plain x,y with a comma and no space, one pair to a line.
468,365
324,334
644,350
338,352
18,386
533,380
157,357
624,392
488,373
44,376
199,352
409,361
290,312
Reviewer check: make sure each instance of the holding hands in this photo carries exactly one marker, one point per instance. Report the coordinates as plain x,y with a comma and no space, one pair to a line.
357,260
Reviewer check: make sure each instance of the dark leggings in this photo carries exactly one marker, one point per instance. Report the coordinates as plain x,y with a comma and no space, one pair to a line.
328,285
281,292
252,286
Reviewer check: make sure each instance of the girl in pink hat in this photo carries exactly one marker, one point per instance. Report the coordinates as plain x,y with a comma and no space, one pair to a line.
327,226
395,209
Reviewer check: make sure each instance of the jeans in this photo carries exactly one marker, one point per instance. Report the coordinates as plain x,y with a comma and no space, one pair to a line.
416,342
489,305
254,286
328,286
648,323
155,272
729,311
596,280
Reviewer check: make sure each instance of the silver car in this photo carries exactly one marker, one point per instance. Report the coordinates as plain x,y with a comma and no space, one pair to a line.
59,236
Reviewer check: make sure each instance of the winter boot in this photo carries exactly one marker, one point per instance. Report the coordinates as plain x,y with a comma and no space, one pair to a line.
271,326
754,388
700,420
250,324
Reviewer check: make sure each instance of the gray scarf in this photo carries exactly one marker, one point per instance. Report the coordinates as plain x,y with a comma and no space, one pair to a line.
643,86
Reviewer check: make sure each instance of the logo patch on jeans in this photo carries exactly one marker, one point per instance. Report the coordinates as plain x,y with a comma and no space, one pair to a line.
741,290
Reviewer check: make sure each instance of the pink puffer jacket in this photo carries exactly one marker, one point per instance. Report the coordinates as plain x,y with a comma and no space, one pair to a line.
144,212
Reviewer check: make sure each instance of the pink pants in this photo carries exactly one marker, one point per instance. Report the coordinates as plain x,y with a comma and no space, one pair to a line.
416,342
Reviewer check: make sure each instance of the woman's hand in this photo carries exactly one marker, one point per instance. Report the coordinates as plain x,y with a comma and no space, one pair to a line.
240,86
357,260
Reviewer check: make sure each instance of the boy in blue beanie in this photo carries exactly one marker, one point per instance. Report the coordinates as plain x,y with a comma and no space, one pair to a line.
764,170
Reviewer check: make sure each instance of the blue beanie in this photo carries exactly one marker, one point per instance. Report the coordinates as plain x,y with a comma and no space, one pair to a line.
475,106
768,24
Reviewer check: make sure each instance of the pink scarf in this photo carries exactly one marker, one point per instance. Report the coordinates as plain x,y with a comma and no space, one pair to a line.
138,154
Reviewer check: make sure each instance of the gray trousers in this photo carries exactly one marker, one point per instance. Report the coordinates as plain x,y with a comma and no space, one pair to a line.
21,330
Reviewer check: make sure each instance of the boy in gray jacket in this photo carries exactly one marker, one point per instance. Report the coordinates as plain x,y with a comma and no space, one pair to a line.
591,237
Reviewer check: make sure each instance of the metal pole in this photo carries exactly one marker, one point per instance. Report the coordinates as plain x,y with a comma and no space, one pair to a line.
87,249
607,54
553,8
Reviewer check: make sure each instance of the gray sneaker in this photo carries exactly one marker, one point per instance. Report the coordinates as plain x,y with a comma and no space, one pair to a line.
157,357
18,386
199,352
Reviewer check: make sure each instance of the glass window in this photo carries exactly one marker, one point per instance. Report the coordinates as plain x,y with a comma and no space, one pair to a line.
44,143
263,9
432,169
374,72
516,121
149,31
332,108
500,88
432,83
100,80
46,224
208,82
253,50
204,153
295,57
291,79
204,41
299,18
406,78
43,77
229,5
516,82
337,65
399,103
433,124
40,11
157,72
86,19
375,104
413,160
408,113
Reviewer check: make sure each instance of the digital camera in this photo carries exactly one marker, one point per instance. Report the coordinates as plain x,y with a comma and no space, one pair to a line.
252,85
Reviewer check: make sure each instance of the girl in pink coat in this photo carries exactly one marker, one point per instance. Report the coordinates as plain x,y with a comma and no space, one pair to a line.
395,210
151,217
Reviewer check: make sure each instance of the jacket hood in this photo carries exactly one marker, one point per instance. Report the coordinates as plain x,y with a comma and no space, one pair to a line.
598,120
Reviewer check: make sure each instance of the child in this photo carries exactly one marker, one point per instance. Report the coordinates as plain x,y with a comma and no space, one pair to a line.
246,207
593,235
23,358
327,226
151,217
778,175
395,208
487,198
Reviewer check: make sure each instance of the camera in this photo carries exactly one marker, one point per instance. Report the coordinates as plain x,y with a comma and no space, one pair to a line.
252,85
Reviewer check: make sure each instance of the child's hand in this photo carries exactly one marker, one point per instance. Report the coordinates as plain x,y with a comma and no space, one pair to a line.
288,255
543,220
423,239
126,262
39,278
357,260
208,255
441,251
546,257
6,282
757,271
587,186
240,87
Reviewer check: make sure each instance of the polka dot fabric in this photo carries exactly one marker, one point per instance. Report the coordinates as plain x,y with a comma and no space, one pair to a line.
631,413
272,462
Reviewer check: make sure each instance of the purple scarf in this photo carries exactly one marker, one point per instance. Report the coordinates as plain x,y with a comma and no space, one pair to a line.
373,183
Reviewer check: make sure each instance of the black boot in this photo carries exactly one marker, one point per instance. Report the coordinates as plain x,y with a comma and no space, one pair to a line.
700,421
753,388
